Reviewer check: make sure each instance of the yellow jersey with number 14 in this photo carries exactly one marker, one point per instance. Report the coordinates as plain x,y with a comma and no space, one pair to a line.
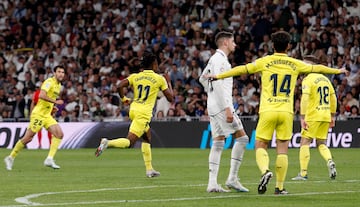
52,88
146,86
278,80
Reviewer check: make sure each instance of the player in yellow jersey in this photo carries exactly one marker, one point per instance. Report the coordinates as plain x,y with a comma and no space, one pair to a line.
41,116
318,108
278,79
146,86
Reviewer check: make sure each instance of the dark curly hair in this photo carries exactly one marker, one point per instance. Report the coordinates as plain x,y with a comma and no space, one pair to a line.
57,67
148,59
281,41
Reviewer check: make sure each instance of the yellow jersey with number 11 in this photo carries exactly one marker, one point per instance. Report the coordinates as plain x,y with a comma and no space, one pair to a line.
146,86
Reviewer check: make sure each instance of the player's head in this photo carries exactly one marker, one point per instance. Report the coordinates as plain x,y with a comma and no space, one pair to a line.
311,59
149,61
281,41
225,41
59,72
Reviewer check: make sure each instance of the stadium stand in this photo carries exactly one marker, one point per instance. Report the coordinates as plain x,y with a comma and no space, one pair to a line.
100,42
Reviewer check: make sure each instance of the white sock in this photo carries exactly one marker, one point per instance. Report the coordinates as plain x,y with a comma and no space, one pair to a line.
237,154
214,160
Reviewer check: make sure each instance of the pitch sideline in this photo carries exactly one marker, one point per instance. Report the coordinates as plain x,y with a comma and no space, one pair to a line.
25,201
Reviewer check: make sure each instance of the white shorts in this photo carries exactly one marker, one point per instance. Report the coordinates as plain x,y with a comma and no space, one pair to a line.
219,126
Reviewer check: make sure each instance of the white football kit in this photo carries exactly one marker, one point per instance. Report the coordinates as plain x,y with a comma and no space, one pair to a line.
219,96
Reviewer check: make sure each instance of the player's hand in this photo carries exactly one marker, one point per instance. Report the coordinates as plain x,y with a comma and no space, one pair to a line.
59,102
54,110
304,125
125,100
210,77
332,123
345,71
229,115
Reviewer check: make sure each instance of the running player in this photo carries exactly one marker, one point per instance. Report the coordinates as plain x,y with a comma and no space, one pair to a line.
146,86
34,101
41,116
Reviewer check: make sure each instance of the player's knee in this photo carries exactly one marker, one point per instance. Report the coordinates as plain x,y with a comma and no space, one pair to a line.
242,140
320,142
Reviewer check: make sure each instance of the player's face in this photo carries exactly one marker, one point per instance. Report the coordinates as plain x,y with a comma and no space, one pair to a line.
231,44
59,74
155,66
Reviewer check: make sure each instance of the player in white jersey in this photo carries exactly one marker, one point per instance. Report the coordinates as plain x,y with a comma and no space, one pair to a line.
223,119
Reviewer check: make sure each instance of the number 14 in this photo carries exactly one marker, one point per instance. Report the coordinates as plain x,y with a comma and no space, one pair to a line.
285,84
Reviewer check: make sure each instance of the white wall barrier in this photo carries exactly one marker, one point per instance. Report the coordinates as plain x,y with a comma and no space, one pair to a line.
11,132
190,134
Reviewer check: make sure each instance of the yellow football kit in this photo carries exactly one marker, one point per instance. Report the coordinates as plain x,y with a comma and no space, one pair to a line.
146,86
278,79
41,114
320,101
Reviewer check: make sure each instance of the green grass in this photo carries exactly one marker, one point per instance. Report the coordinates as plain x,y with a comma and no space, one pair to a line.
117,178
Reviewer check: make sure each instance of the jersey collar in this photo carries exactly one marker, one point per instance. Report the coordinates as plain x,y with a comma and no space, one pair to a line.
221,53
280,54
148,71
56,81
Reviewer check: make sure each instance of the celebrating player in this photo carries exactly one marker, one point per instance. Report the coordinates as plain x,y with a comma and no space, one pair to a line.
146,86
278,77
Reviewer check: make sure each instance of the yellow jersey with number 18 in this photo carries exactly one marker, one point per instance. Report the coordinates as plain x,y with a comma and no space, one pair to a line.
52,88
278,79
320,90
146,86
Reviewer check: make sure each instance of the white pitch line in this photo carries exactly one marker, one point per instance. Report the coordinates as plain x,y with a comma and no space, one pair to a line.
25,201
238,195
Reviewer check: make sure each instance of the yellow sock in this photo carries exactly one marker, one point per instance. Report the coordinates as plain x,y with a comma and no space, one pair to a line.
325,152
262,160
304,158
119,143
281,170
18,147
146,151
55,142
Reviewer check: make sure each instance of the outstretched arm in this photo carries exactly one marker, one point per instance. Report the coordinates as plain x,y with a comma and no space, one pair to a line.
236,71
327,70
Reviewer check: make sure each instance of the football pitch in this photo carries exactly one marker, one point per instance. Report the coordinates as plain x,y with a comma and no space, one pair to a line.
117,178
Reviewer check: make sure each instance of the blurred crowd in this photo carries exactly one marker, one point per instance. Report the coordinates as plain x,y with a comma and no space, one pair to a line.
100,42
